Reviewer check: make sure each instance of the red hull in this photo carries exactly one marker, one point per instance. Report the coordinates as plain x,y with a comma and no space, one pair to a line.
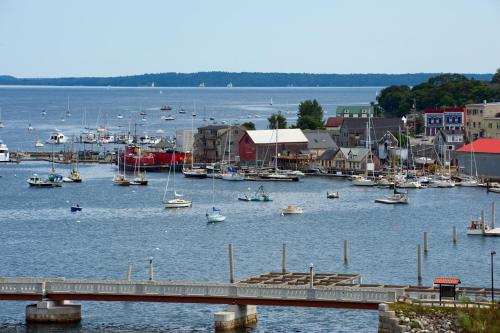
153,160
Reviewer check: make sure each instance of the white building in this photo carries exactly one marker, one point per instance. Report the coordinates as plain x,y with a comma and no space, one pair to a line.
184,140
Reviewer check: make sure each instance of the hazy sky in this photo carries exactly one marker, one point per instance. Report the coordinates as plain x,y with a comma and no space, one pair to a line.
115,37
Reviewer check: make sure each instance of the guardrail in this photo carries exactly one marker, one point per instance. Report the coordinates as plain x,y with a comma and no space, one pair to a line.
210,290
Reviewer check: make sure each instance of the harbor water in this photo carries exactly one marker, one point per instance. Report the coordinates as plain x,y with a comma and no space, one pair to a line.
121,225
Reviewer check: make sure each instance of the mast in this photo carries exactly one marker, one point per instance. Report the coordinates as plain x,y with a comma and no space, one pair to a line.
229,143
192,146
276,148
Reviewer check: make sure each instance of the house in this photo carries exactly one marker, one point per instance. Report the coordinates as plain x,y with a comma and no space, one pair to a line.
318,142
483,120
347,159
333,125
388,146
483,156
353,130
354,111
444,118
260,146
448,140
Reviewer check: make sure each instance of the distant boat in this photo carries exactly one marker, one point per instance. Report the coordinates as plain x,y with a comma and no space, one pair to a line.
259,195
271,101
38,144
480,227
2,125
68,113
290,210
215,214
37,181
43,113
119,116
30,128
4,152
202,85
230,85
396,198
169,118
166,108
332,195
76,208
177,201
57,137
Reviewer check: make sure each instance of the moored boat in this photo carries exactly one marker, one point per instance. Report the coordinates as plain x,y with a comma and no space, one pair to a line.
332,195
37,181
76,208
4,152
259,195
56,137
290,210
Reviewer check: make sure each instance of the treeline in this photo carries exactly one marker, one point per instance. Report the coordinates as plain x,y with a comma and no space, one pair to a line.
244,79
445,90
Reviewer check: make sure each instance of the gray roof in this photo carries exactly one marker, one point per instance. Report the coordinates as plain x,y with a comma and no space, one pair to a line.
328,154
319,140
354,154
378,125
215,127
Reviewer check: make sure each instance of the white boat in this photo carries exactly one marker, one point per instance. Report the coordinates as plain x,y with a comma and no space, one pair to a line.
119,116
396,198
2,125
120,179
443,183
4,152
234,176
176,201
214,215
409,184
332,195
168,118
38,144
140,177
470,182
30,128
384,182
290,210
359,180
37,181
480,227
57,137
424,161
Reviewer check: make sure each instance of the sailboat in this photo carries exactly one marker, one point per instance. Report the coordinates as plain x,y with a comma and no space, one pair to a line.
231,173
363,180
444,181
140,178
214,215
68,113
471,180
177,201
2,125
193,172
38,143
120,179
74,175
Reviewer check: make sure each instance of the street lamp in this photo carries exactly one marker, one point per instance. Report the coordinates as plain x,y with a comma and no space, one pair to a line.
492,292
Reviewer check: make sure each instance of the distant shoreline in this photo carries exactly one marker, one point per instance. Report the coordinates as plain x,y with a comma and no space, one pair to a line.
234,80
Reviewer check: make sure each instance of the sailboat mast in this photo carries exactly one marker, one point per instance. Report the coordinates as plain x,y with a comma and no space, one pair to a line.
192,146
276,147
229,143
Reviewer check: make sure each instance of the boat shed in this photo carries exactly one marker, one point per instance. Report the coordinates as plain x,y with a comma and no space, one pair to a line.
482,155
260,145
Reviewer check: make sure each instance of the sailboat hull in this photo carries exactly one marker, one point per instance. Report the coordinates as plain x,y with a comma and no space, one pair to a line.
176,203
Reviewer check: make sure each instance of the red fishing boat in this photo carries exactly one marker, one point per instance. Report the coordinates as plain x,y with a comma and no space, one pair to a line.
153,159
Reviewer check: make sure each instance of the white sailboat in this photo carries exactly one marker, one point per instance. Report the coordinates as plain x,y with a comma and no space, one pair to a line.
2,125
177,201
140,177
193,172
363,180
214,215
231,173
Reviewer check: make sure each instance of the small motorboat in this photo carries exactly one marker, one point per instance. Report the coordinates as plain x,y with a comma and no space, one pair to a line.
139,180
292,210
493,187
169,118
332,195
76,208
259,195
37,181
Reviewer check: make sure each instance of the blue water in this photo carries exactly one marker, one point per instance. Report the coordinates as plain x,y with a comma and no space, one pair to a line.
40,237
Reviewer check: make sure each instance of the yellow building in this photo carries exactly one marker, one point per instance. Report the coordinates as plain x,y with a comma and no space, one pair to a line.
483,121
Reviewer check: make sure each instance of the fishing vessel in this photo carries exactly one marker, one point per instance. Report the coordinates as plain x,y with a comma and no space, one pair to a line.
177,201
4,152
76,208
259,195
290,210
152,159
37,181
479,226
74,175
332,195
166,108
56,137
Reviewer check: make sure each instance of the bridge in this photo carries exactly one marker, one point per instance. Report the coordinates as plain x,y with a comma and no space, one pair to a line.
54,295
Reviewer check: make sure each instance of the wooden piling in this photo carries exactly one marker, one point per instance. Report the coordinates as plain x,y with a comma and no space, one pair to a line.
151,273
454,232
231,264
419,264
426,249
129,272
493,215
346,254
283,259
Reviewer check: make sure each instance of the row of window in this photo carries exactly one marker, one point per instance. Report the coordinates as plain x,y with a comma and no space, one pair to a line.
490,125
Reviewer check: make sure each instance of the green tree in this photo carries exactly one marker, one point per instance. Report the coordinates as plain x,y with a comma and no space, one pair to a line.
276,118
496,77
395,100
249,126
310,115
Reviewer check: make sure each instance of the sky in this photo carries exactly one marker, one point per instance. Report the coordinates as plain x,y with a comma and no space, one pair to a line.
60,38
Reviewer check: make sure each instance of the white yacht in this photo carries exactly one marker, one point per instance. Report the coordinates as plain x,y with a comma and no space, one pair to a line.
359,180
4,152
57,137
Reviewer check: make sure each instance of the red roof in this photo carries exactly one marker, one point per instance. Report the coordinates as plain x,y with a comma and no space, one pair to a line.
482,146
334,122
443,280
429,110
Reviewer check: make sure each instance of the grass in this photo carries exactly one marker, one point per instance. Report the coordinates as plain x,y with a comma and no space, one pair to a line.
471,320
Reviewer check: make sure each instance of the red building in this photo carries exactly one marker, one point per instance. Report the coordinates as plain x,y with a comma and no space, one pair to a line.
445,118
260,145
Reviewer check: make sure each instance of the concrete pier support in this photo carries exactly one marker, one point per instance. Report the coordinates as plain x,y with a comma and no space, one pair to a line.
53,312
235,316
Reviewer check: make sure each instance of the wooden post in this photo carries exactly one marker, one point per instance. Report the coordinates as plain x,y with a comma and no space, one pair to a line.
419,263
454,234
129,273
311,276
283,259
346,254
483,226
231,264
425,243
493,215
151,273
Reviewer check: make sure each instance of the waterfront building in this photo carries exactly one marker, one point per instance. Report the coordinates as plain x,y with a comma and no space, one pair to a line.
483,155
353,130
346,160
333,125
388,147
228,140
354,111
444,118
212,143
260,145
448,140
184,140
318,141
483,120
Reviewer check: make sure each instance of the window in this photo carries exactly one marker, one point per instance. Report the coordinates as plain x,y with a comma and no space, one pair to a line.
474,124
478,124
490,125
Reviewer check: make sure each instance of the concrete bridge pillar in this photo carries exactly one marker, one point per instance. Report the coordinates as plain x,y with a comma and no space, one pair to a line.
53,312
235,316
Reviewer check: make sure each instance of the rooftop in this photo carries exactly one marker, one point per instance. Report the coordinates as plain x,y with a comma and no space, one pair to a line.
334,121
443,110
319,139
482,146
444,280
288,135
